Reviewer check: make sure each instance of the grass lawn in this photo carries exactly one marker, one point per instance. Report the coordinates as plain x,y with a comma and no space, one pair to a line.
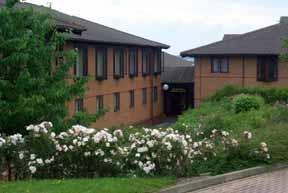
103,185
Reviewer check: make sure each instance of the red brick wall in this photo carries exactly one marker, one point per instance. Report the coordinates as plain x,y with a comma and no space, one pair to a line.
242,72
126,115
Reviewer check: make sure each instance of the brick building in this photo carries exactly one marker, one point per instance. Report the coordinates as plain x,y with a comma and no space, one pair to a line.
247,60
124,70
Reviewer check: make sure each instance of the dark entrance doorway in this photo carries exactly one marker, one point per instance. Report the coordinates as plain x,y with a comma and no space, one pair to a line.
178,102
178,98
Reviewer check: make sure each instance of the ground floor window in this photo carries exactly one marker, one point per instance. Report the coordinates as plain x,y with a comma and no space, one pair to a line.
116,102
79,105
144,96
267,68
99,103
132,98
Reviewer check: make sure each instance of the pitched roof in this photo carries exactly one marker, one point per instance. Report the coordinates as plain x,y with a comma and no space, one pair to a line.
93,32
182,74
229,36
177,70
174,61
268,40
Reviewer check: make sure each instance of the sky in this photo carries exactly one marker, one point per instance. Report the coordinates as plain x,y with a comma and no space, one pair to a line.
182,24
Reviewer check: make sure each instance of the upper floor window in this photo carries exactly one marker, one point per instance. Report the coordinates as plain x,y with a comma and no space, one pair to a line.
144,96
59,57
155,94
157,62
116,98
118,63
99,103
101,63
79,105
267,68
133,64
219,65
145,62
132,98
81,65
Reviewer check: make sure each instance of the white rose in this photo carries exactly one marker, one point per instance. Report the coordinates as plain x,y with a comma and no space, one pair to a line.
53,135
21,155
142,149
32,156
32,169
39,161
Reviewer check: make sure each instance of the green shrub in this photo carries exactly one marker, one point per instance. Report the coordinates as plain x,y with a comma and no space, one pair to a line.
280,114
270,95
84,152
263,111
244,103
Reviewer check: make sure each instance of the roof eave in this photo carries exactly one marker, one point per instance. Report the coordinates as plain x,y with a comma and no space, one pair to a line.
73,39
225,54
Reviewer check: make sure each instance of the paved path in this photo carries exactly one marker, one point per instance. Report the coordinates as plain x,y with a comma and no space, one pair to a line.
275,182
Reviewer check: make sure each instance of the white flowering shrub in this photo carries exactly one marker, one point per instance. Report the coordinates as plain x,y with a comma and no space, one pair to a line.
87,152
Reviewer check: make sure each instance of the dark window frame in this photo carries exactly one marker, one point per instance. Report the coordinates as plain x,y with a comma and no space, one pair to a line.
264,72
122,61
60,55
84,60
144,96
148,60
132,98
100,107
220,58
79,105
105,63
156,53
116,101
135,72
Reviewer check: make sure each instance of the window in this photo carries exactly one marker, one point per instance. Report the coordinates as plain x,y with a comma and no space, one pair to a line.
118,63
101,63
133,69
144,96
219,65
116,102
78,105
155,94
59,58
157,62
81,66
132,98
99,103
145,62
267,68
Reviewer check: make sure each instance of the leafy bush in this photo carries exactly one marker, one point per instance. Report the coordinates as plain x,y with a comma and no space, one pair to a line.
270,95
244,103
280,113
267,121
85,152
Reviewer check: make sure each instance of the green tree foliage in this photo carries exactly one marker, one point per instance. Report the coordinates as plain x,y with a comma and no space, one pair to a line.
31,89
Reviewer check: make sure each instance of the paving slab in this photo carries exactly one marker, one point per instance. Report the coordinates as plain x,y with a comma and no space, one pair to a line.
271,182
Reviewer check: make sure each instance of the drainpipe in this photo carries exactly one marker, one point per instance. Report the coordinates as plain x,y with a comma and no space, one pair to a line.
243,71
152,89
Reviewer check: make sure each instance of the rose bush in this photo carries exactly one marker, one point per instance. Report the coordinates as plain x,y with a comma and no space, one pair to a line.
87,152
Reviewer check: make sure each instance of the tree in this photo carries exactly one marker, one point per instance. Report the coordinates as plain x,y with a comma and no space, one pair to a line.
31,89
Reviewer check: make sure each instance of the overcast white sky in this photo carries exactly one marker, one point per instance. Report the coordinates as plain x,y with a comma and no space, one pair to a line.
182,24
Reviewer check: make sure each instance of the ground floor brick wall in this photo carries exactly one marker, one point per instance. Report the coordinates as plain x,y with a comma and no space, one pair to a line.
242,72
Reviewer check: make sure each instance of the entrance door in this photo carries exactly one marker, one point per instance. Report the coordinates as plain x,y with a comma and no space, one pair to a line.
178,103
